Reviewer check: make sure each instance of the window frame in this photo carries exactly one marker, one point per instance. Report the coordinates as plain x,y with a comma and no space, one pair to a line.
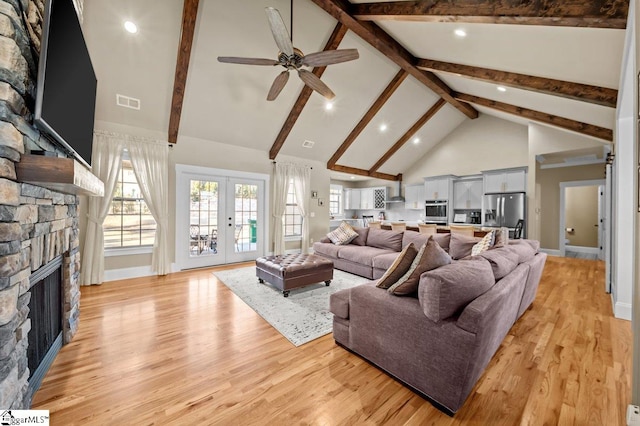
292,237
135,249
339,189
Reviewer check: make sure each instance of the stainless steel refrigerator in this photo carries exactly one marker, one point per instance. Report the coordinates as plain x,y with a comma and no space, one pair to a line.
504,209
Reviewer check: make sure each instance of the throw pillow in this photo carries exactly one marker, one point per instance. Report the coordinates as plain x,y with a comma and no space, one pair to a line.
485,244
501,238
461,245
343,234
430,256
503,260
446,291
399,266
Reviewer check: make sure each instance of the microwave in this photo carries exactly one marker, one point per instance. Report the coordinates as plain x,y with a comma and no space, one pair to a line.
436,211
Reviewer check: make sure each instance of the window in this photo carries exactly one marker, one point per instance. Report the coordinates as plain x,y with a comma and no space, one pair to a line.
335,200
129,222
292,216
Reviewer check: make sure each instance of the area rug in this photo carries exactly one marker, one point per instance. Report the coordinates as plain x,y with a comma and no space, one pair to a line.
301,317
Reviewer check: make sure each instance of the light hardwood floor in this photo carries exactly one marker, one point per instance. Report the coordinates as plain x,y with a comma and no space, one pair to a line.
183,349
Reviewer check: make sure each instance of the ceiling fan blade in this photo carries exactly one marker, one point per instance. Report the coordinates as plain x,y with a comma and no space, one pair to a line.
247,61
316,84
278,85
320,59
279,31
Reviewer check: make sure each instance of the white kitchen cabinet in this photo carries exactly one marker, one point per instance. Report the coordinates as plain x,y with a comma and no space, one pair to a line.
352,199
366,199
414,197
467,195
512,180
437,188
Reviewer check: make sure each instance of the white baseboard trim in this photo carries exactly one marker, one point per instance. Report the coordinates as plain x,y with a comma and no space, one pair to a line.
126,273
580,249
551,252
135,272
622,310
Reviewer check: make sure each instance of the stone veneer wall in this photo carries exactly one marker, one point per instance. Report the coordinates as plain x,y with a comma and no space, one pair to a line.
36,224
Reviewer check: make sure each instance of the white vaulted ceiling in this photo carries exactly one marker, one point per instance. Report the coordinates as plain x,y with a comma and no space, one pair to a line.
227,103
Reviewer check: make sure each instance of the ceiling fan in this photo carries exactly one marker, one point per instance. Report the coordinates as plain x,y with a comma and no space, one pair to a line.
292,58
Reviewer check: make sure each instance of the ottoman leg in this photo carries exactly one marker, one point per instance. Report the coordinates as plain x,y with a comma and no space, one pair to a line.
285,293
327,282
260,280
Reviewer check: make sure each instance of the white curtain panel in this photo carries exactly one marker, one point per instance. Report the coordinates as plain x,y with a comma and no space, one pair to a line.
150,161
301,176
106,162
280,187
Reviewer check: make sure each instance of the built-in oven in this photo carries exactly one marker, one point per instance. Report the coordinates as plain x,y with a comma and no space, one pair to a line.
436,211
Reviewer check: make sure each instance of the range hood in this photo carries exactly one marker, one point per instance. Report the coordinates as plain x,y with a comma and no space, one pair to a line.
398,198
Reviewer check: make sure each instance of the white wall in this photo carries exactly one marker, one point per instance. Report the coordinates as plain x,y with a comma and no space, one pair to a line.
485,143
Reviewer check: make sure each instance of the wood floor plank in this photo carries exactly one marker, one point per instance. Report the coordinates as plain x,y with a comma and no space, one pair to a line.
183,349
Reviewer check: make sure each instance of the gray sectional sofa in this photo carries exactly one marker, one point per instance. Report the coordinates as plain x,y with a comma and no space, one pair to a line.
440,342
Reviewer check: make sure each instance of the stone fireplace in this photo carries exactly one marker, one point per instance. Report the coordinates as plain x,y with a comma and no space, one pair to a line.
37,225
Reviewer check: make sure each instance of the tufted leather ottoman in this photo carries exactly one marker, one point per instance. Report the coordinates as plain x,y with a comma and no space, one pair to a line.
291,271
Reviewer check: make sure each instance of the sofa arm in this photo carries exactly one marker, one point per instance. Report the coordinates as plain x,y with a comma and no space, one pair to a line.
339,303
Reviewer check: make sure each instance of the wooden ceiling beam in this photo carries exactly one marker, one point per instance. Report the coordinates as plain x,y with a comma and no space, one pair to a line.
189,16
577,13
412,131
368,116
363,172
388,46
542,117
576,91
332,44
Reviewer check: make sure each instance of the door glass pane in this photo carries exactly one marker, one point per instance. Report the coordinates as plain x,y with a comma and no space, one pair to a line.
203,218
246,217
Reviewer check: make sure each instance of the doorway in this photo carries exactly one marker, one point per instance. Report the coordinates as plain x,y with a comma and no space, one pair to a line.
582,217
220,216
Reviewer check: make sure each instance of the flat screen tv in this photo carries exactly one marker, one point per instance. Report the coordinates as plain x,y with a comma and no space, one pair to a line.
66,87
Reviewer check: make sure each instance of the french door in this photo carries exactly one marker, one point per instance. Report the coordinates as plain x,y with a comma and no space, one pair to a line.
219,218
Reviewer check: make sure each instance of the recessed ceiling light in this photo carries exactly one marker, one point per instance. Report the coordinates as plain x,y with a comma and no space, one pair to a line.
353,177
383,127
460,32
131,27
501,89
328,106
416,140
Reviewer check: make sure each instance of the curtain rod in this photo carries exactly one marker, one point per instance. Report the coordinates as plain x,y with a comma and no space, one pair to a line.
275,162
126,136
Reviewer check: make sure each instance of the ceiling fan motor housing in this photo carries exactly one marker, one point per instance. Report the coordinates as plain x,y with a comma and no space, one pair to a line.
294,61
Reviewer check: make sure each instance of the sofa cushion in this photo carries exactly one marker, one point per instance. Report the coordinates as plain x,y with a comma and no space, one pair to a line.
501,237
484,244
384,261
443,240
325,239
524,251
430,256
418,239
503,260
343,234
327,249
399,267
461,245
361,239
361,254
384,239
445,291
535,244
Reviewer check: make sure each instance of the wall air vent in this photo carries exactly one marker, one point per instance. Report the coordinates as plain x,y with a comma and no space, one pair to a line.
308,144
127,102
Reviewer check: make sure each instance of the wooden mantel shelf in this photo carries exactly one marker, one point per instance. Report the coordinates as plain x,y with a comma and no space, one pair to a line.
59,174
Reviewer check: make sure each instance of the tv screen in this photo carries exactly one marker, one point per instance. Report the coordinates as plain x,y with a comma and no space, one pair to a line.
66,89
